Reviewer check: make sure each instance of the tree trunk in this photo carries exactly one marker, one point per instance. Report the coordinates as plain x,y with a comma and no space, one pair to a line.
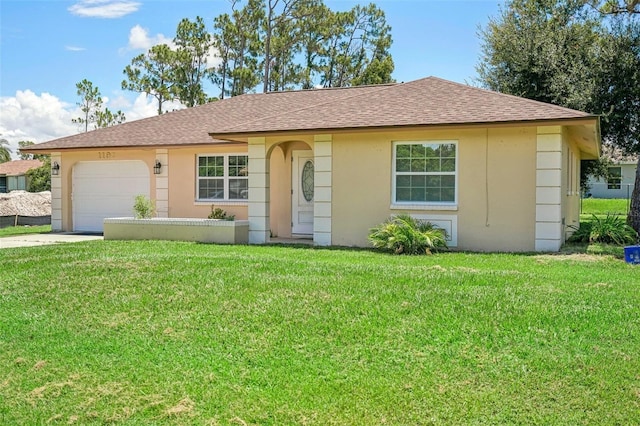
267,47
633,219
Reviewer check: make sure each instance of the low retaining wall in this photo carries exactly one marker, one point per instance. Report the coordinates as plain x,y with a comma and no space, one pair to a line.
6,221
178,229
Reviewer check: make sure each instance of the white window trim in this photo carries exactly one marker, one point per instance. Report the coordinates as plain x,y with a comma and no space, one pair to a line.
614,182
425,206
429,205
204,202
220,201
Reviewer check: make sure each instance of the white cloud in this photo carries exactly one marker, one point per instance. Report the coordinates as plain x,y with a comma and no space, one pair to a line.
104,8
120,102
139,39
143,106
213,58
74,48
40,118
37,118
147,106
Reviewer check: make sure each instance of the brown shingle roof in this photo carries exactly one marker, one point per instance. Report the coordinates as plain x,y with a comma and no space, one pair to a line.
18,167
429,101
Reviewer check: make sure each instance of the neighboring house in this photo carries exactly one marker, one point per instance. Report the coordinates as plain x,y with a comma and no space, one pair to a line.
622,179
498,172
13,174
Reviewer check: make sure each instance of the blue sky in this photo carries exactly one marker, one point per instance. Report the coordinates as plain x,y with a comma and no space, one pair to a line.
47,46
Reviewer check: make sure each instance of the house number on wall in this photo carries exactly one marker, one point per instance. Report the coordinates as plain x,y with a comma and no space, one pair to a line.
105,155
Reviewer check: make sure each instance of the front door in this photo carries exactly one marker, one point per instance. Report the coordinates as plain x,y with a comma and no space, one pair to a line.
302,193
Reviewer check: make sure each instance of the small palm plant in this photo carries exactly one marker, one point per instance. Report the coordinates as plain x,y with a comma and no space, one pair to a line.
403,234
611,229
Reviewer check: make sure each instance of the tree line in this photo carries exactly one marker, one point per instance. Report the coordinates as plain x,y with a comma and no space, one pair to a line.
266,45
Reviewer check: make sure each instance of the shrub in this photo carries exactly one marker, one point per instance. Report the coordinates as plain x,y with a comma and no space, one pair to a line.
611,229
218,213
40,178
143,207
403,234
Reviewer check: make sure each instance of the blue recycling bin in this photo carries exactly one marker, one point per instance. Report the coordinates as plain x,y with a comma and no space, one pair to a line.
632,255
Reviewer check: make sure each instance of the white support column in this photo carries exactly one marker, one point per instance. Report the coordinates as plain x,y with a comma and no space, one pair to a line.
548,231
259,223
322,149
162,184
56,194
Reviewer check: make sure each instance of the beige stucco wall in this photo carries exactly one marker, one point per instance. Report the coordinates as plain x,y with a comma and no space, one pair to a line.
496,186
279,197
497,182
199,230
182,183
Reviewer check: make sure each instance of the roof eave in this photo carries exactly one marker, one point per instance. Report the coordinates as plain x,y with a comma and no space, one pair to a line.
49,150
242,136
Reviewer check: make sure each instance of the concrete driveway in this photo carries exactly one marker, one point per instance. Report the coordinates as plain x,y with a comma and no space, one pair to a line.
30,240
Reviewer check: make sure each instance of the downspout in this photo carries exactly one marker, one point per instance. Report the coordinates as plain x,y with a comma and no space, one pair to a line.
486,178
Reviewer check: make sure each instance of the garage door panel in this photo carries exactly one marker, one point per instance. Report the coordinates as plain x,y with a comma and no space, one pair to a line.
106,189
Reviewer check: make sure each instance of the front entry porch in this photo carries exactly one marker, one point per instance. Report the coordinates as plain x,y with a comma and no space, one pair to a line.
290,189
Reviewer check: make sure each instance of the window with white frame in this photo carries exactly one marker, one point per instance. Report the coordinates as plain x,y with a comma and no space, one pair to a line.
615,178
425,172
223,177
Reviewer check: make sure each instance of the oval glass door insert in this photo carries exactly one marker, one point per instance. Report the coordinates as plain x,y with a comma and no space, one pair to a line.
307,181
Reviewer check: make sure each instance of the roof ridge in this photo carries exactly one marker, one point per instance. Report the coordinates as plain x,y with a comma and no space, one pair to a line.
330,88
380,87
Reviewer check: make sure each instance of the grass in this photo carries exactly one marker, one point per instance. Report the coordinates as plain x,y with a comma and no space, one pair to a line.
21,230
604,218
602,207
182,333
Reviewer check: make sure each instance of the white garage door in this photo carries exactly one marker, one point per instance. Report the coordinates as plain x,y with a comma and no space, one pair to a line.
106,189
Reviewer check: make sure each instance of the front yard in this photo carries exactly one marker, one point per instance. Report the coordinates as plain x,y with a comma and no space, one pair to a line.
186,333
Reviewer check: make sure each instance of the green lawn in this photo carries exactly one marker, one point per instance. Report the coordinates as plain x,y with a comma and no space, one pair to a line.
181,333
20,230
602,207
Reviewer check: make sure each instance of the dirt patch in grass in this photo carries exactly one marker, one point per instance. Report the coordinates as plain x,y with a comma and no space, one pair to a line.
50,390
184,407
39,365
578,257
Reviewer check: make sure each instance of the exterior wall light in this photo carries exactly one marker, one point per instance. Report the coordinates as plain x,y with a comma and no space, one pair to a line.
55,169
157,168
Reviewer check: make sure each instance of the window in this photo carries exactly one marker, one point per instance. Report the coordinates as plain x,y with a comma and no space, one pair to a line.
223,177
16,183
615,178
22,182
425,172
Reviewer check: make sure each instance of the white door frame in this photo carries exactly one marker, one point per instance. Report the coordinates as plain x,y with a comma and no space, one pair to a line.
301,207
